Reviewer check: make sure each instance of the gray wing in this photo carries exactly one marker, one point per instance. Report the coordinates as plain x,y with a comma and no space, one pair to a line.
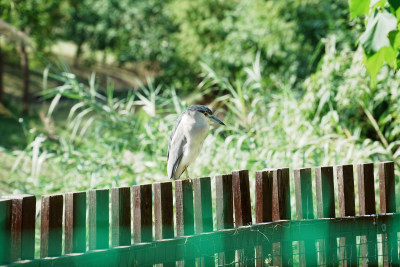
177,141
174,130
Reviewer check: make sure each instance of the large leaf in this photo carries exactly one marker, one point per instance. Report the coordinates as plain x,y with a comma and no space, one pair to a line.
394,37
374,62
395,4
358,8
376,35
398,14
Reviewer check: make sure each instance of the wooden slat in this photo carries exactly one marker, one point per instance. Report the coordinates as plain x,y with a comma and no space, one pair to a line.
224,201
366,197
346,197
184,212
325,192
5,230
75,222
142,213
203,214
366,188
163,213
121,216
184,207
99,219
16,226
281,195
305,210
263,212
388,205
241,197
51,225
281,210
242,205
203,205
163,210
303,194
387,187
28,227
263,196
326,209
23,226
224,210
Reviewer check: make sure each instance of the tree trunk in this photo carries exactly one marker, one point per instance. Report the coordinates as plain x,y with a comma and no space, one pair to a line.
78,54
25,77
1,76
104,61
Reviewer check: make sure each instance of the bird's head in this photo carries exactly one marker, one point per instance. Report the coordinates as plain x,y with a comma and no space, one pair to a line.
205,113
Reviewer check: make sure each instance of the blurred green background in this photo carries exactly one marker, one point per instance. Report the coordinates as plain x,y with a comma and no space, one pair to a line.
90,89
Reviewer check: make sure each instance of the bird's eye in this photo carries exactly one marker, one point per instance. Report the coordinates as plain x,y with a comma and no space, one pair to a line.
205,114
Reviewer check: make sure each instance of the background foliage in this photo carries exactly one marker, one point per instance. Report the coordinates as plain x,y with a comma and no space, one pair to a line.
287,78
381,38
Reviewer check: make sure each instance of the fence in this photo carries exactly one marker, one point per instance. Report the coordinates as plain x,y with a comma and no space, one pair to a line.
369,239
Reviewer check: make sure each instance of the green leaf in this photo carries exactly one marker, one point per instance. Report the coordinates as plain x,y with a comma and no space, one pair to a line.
398,14
358,8
394,38
376,35
377,4
374,62
395,4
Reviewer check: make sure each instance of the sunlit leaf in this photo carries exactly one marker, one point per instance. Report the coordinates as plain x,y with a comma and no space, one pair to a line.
394,37
374,62
358,8
376,34
395,4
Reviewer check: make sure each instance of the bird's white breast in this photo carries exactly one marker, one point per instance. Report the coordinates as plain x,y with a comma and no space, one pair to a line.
195,130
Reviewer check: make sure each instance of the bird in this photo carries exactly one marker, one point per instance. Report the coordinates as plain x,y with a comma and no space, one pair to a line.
187,138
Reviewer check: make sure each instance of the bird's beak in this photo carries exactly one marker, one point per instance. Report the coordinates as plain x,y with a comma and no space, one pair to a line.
216,120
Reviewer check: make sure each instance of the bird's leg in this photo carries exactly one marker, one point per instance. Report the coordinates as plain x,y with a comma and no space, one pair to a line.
187,175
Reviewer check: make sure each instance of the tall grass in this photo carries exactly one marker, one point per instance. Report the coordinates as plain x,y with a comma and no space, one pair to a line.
111,140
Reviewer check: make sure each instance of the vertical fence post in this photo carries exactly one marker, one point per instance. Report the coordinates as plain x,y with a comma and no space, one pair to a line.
5,230
75,222
163,210
388,205
23,226
242,203
326,209
366,195
224,210
281,210
163,213
305,210
142,216
264,213
51,226
121,216
99,219
184,212
203,214
346,198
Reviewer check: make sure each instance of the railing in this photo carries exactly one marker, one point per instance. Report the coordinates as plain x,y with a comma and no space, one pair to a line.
274,239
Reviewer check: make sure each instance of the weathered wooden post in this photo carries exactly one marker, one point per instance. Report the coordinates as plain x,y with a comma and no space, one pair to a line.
51,226
224,209
264,213
346,197
305,210
366,198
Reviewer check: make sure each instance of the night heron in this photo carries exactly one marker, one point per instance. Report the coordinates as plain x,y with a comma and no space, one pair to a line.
187,138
